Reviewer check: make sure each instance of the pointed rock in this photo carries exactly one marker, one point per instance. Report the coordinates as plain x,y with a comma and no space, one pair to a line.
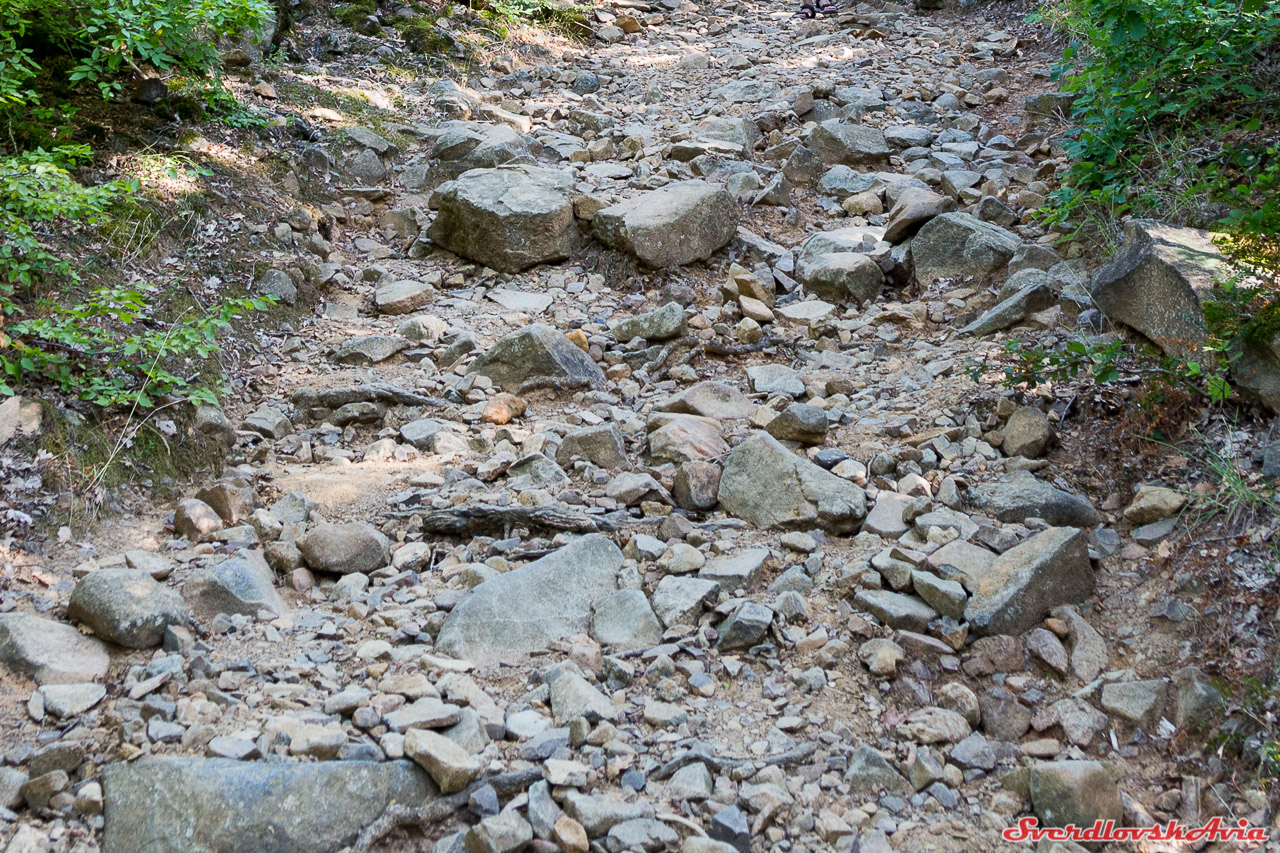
540,352
1029,580
800,494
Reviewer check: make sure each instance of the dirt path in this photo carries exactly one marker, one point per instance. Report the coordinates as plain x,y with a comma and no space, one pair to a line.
867,599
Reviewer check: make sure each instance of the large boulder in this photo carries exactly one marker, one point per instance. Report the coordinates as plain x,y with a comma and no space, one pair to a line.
839,143
48,651
1155,284
345,548
799,494
126,607
1029,580
537,351
913,209
674,225
181,805
834,266
955,245
508,218
527,609
1020,495
1076,793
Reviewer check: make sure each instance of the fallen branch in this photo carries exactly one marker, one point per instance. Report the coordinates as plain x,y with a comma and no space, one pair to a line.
722,764
365,392
660,360
547,383
697,346
483,520
717,348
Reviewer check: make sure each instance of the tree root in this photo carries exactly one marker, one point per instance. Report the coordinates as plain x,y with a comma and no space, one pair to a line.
697,347
398,816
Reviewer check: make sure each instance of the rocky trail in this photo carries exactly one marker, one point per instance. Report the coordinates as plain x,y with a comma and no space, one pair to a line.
629,487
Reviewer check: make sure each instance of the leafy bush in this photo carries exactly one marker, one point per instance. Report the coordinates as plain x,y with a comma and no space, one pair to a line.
1173,101
90,351
107,38
106,348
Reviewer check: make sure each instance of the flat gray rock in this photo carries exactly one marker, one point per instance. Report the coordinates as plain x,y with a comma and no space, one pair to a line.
50,652
869,773
675,225
211,805
524,610
679,600
1020,495
896,610
624,620
710,399
839,143
657,325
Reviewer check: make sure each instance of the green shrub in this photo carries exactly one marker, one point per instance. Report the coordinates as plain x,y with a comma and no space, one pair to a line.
37,189
1026,364
105,348
1175,110
108,38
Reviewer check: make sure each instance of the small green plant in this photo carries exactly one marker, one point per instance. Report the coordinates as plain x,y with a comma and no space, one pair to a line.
106,349
1028,365
106,39
36,189
1243,309
1237,500
219,103
568,17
